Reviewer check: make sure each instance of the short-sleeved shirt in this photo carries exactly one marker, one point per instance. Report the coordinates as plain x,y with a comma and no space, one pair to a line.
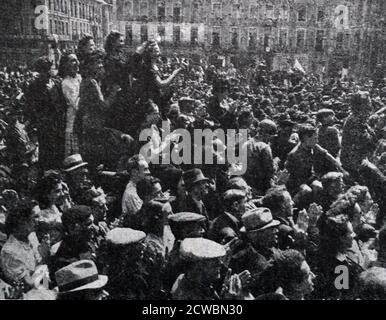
19,259
131,202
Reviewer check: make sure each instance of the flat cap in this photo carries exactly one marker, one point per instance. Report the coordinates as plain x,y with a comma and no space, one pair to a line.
124,236
182,217
325,113
198,249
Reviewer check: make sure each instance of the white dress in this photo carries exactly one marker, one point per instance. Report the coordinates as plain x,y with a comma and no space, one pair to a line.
70,88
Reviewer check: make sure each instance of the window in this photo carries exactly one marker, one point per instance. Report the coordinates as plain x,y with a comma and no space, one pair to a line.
252,39
194,36
143,33
216,37
234,38
129,35
302,12
73,26
339,41
267,39
51,31
128,8
283,36
195,11
176,35
161,33
67,31
176,14
236,9
269,13
319,40
161,12
253,11
144,8
320,16
285,12
217,10
357,38
346,41
51,5
300,38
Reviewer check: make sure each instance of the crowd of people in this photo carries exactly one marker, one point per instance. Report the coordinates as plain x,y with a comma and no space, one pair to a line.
85,216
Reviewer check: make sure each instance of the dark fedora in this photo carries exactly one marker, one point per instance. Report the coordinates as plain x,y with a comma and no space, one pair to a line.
193,176
258,219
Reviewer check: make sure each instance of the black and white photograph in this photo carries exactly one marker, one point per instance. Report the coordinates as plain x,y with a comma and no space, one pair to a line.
195,150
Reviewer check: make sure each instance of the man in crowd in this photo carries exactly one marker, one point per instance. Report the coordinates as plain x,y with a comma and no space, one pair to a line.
260,167
137,168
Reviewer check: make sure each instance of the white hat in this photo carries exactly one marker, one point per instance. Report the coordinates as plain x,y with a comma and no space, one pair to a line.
73,162
196,249
124,236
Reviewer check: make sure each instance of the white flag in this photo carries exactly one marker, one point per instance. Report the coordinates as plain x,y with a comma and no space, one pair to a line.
299,67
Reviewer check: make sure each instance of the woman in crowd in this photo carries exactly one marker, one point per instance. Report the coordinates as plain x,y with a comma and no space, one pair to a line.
99,144
69,72
337,248
151,84
86,46
22,257
53,196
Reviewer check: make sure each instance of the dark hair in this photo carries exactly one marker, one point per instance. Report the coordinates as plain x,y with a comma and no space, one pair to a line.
284,270
152,216
82,44
43,64
45,186
91,60
332,229
274,198
18,215
236,197
306,130
145,186
76,214
62,71
111,39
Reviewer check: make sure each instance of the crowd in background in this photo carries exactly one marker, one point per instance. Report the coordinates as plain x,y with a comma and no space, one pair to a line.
84,216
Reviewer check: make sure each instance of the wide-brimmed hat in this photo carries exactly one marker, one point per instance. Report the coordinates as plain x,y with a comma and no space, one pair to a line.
193,176
73,162
258,219
80,275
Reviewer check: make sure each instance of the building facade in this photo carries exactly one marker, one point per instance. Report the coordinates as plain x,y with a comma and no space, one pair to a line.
28,28
324,35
